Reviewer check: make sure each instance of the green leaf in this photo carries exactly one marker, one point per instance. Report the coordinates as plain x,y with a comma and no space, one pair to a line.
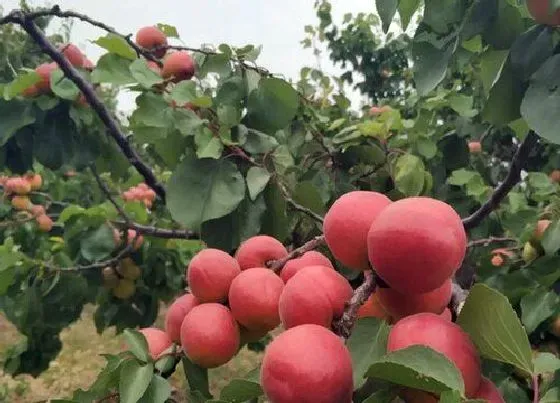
282,159
530,51
406,9
546,363
463,105
307,194
112,69
117,45
259,143
19,84
184,92
272,105
542,98
386,10
241,390
152,111
381,396
145,76
491,63
208,145
450,396
551,396
134,380
210,188
537,307
197,378
409,175
494,327
168,30
418,367
158,391
367,344
62,86
461,177
257,179
97,244
137,344
15,115
426,147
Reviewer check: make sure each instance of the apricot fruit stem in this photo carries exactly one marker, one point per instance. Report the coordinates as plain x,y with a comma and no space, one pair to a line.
277,265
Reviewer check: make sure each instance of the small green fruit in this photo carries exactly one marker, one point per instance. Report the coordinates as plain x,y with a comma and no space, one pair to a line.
128,269
530,253
110,277
125,289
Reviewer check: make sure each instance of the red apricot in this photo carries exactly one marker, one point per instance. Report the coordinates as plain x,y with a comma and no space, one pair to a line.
21,203
44,70
176,313
307,364
446,314
443,336
178,66
72,54
154,67
311,258
45,222
88,64
35,181
210,273
373,308
138,239
253,298
210,335
158,341
416,244
399,305
541,227
376,110
18,185
37,210
488,392
315,294
475,147
258,250
347,223
151,37
497,260
539,10
31,91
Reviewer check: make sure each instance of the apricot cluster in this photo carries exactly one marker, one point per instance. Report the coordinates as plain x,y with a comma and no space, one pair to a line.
18,189
177,65
121,279
142,193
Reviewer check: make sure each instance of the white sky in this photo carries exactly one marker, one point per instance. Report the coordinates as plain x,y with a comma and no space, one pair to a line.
277,25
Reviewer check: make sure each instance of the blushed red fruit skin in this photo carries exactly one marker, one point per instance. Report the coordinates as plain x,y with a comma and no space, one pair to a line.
210,335
179,65
154,67
475,147
311,258
347,223
539,11
445,337
258,250
446,314
73,54
158,341
176,313
44,70
151,37
315,294
307,364
489,392
399,305
253,298
416,244
210,274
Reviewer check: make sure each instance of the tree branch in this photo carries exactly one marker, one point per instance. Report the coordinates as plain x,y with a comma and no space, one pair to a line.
343,326
297,206
512,178
488,241
277,265
99,265
107,193
458,297
21,18
159,232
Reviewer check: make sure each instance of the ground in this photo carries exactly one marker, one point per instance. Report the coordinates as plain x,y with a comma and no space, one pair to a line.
80,361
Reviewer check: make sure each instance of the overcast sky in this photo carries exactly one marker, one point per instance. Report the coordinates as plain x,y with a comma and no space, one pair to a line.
276,25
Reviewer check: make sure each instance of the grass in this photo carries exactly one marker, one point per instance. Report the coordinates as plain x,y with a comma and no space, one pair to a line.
79,362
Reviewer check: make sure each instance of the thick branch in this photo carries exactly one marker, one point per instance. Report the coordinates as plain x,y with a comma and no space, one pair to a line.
89,93
343,326
277,265
512,178
159,232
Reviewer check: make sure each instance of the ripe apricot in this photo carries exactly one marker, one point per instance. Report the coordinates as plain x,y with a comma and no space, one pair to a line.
475,147
253,298
210,273
307,364
210,335
555,176
315,294
258,250
176,313
377,110
540,228
21,203
399,305
446,314
31,91
151,37
73,54
44,70
37,210
178,66
497,260
35,181
488,392
373,308
311,258
445,337
416,244
88,64
154,67
17,185
158,341
45,222
539,10
347,223
137,238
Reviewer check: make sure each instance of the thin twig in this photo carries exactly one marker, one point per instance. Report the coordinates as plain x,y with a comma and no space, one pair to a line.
297,206
100,265
458,297
21,18
159,232
277,265
107,193
488,241
512,178
536,388
343,326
